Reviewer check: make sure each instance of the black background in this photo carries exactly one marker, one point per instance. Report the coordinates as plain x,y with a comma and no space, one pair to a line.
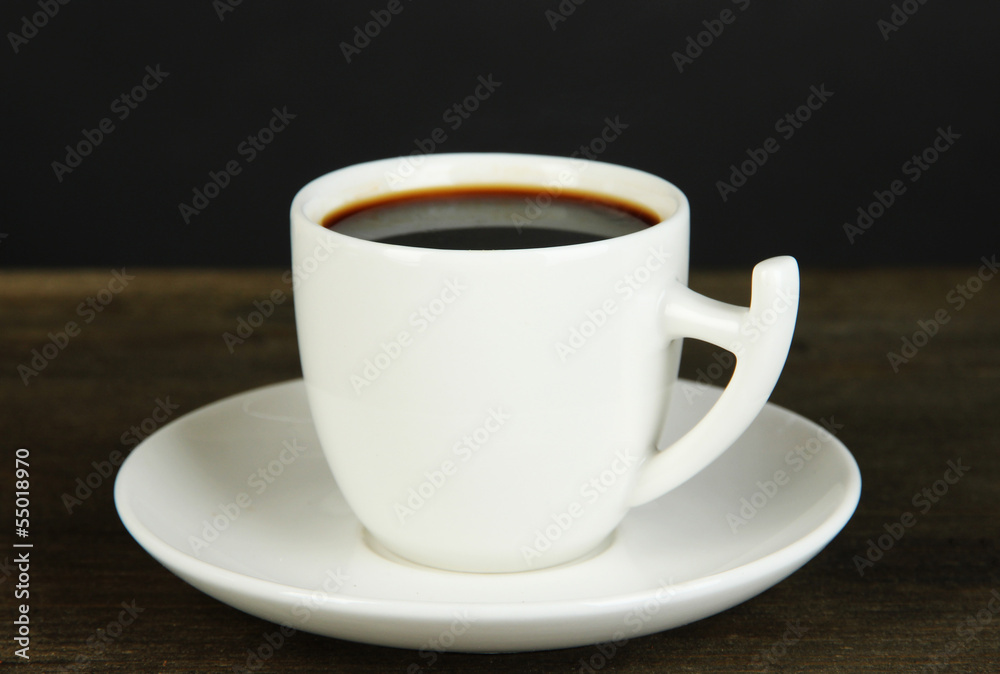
227,72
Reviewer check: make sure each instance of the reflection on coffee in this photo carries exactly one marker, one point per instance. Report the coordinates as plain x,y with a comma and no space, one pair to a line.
490,218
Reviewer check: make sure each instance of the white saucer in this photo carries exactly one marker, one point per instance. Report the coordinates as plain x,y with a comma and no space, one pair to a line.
295,555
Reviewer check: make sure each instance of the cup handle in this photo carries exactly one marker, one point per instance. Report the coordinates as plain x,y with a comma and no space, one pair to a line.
759,337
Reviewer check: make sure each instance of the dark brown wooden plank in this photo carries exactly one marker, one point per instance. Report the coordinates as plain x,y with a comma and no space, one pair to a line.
161,337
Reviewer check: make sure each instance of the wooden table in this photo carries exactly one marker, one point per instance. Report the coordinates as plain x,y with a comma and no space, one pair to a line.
152,340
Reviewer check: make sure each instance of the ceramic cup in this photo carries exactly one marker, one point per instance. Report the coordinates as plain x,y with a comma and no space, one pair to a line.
499,410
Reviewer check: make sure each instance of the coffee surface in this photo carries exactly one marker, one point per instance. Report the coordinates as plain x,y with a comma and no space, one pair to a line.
491,238
489,219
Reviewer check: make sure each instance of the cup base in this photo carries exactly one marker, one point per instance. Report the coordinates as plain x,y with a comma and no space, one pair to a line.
380,549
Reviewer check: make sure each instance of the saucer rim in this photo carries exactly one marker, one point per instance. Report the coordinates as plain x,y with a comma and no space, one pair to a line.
768,569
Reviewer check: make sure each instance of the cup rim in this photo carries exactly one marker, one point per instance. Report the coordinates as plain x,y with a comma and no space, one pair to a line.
367,181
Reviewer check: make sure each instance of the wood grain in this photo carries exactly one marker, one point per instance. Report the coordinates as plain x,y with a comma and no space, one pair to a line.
161,338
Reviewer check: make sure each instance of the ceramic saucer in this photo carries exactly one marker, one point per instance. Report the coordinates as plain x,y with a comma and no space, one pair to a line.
236,499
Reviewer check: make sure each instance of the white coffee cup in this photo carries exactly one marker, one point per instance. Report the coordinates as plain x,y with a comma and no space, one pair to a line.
498,410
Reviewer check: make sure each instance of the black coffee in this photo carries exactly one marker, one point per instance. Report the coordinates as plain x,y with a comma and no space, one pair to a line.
490,219
491,238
